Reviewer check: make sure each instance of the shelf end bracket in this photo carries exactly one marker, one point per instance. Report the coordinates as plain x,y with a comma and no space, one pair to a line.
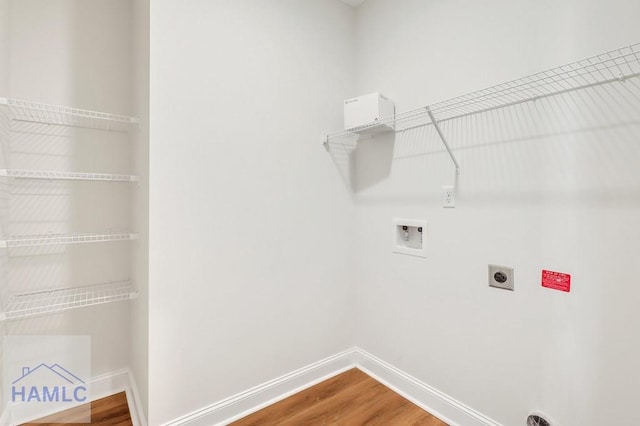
325,142
443,139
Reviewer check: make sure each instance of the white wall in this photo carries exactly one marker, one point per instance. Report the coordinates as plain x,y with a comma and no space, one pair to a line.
566,202
4,83
251,226
4,46
75,53
139,348
72,52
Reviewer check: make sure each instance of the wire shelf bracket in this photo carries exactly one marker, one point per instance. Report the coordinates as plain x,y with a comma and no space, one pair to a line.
58,239
443,139
51,301
56,175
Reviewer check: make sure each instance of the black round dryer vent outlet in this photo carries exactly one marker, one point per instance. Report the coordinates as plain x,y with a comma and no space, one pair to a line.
536,420
500,277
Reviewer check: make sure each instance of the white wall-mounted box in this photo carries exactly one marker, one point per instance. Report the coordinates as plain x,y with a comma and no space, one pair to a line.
366,110
409,236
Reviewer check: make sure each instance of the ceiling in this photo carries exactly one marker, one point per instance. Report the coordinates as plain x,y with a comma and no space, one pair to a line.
354,3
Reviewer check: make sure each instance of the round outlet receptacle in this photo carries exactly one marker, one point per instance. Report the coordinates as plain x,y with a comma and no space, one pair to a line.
500,277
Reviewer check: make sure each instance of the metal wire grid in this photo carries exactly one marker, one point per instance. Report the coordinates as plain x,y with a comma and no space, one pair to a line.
56,239
57,300
55,175
397,122
33,112
619,65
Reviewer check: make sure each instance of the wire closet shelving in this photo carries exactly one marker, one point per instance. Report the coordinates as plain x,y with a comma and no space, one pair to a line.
619,66
59,175
53,300
45,302
33,112
58,239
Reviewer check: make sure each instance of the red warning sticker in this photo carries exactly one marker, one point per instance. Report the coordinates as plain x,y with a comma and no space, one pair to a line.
556,280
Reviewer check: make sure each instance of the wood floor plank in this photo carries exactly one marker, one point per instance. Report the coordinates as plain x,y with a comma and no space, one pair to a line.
303,401
350,399
112,410
333,410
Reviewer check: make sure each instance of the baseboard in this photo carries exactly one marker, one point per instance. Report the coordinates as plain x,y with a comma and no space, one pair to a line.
101,386
443,406
256,398
5,417
135,403
449,410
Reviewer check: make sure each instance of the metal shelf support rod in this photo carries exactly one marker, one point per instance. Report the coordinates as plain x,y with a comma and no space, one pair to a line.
444,140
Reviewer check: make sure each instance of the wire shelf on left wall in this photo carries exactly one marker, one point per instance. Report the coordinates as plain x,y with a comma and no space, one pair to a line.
34,112
46,302
58,239
58,175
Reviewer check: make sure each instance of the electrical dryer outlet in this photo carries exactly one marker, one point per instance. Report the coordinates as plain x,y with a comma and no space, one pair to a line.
501,277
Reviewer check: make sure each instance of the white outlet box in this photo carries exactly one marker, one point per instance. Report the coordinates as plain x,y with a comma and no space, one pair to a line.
409,236
501,277
449,196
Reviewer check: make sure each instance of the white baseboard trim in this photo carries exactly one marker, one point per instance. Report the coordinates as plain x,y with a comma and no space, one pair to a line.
441,405
258,397
240,405
135,403
101,386
4,417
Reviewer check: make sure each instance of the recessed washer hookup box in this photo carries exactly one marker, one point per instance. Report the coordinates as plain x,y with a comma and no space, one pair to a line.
367,110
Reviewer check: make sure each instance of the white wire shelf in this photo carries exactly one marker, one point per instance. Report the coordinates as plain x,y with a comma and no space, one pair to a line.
45,302
619,66
33,112
57,239
56,175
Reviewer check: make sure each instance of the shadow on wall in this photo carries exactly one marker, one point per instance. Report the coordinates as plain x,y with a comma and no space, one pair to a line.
374,151
377,154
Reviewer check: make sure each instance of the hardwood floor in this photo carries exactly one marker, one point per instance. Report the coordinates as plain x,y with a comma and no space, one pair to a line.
112,410
351,399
